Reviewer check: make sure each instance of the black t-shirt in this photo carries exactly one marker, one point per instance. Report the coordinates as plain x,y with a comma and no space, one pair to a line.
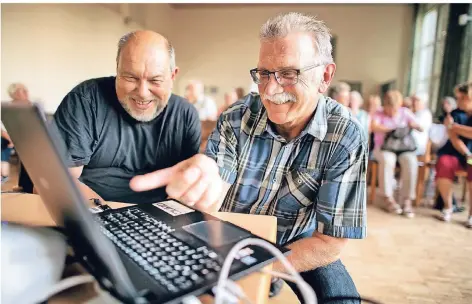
113,147
460,117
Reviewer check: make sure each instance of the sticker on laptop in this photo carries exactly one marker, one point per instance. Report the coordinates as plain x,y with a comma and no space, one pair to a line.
173,208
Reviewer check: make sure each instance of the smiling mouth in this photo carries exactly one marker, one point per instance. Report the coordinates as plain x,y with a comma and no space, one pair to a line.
142,104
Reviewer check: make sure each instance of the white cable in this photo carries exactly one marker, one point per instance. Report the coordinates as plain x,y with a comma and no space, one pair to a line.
307,292
281,275
68,283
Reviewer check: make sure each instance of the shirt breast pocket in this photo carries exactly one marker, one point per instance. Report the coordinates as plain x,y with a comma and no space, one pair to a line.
300,189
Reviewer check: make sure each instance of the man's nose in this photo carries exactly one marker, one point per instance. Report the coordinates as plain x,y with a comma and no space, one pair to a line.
273,87
143,90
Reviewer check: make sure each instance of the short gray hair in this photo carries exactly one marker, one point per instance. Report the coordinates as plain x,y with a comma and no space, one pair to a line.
123,40
12,88
451,101
338,88
286,23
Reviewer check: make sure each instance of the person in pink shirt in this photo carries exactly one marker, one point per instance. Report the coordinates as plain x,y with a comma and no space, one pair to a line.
391,117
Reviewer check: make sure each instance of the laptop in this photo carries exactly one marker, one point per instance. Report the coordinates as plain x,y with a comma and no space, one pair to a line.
145,253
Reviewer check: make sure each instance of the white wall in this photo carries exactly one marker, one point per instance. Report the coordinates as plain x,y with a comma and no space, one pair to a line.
52,47
219,43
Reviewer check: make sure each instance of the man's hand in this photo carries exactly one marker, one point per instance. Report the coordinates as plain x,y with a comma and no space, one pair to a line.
195,182
10,145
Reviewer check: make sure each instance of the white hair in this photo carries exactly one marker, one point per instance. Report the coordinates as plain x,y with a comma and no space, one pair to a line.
284,24
12,88
423,97
358,96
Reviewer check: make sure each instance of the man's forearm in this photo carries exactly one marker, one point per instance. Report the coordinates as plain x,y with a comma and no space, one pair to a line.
308,254
464,131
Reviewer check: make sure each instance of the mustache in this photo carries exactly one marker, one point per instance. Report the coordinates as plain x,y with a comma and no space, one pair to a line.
280,98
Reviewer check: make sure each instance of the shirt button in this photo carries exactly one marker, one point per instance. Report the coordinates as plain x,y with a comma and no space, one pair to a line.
274,180
299,181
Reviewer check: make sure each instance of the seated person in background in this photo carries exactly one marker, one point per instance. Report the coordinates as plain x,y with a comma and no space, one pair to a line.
454,155
19,94
340,93
355,105
289,152
240,93
131,124
448,105
7,146
424,119
230,98
395,116
372,106
205,105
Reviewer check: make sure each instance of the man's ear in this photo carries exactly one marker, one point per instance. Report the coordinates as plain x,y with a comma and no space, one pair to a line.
328,75
175,72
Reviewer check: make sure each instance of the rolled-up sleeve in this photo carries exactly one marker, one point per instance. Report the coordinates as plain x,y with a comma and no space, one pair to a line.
222,147
341,202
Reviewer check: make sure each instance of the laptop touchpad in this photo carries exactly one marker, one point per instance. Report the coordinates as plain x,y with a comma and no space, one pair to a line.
216,233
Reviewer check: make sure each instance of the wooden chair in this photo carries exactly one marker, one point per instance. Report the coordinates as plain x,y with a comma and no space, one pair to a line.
423,169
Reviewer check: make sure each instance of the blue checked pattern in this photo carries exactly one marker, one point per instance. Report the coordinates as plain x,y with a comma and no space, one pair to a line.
317,181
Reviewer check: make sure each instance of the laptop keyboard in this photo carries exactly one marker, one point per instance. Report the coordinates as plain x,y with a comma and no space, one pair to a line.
174,264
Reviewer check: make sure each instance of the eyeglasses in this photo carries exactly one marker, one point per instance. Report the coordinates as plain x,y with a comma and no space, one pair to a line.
284,77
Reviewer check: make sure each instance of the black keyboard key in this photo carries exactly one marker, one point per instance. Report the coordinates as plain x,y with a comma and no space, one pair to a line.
189,262
185,285
172,274
190,251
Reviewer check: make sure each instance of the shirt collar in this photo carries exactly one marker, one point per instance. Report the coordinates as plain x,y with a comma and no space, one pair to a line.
317,126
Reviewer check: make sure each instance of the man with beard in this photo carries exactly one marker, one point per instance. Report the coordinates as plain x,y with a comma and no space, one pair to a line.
288,152
117,127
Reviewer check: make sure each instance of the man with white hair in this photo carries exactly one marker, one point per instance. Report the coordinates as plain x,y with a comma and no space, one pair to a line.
118,127
425,120
206,106
289,152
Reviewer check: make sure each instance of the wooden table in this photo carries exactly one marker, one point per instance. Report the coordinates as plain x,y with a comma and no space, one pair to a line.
29,209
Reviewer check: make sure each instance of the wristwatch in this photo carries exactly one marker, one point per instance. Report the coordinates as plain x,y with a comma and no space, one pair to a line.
468,154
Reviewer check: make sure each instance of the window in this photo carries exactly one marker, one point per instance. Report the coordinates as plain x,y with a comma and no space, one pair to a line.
430,37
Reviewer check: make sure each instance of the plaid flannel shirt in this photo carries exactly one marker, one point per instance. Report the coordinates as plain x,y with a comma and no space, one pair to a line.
315,181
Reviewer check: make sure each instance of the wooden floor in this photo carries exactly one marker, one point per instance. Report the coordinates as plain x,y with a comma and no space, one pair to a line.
418,260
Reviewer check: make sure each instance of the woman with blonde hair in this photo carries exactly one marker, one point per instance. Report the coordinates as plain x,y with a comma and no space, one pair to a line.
388,123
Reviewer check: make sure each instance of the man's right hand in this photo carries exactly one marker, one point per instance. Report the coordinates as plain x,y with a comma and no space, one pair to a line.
195,182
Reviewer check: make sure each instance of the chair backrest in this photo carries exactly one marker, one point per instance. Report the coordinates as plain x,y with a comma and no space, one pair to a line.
207,127
427,156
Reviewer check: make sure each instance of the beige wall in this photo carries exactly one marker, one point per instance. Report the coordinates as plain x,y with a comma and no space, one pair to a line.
52,47
219,43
